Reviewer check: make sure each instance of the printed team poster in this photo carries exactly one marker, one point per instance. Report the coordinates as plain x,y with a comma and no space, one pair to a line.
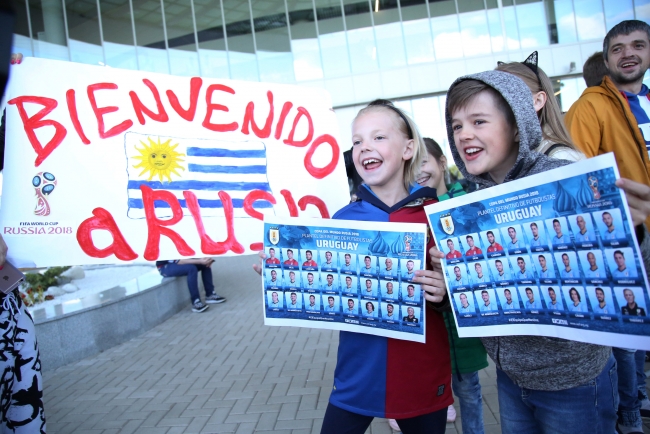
551,255
344,275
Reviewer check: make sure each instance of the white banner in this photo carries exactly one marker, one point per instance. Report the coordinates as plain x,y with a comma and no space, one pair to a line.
111,166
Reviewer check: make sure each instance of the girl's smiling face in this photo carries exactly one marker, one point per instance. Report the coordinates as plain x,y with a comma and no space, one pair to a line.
431,172
379,150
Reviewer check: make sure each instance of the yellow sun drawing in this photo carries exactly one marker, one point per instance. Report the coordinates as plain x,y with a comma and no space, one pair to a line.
159,159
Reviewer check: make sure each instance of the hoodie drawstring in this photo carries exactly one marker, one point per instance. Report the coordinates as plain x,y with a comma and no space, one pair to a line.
10,304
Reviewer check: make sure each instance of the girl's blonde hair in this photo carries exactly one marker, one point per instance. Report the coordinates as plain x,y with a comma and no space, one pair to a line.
407,127
550,116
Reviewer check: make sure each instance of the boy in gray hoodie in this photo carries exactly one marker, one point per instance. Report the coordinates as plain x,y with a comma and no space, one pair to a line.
547,385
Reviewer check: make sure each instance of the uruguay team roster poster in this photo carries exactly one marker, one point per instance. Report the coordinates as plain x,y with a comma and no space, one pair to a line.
552,254
344,275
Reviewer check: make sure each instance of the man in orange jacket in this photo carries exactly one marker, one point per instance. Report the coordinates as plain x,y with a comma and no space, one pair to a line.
615,117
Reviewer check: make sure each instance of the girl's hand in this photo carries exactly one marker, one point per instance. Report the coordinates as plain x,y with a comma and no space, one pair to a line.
260,266
436,255
638,199
433,284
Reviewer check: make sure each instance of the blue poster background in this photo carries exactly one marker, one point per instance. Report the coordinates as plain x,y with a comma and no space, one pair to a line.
356,277
555,245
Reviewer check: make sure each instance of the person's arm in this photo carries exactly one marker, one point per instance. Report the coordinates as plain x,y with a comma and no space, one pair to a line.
196,261
584,126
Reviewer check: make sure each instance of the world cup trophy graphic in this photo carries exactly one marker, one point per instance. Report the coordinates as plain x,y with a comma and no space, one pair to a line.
593,184
44,183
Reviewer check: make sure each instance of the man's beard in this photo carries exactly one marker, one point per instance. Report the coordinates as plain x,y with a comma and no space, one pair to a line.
626,79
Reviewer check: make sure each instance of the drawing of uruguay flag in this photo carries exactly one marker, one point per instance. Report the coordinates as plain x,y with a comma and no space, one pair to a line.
201,166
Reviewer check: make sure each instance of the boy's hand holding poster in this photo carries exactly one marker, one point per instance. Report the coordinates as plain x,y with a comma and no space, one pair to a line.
344,275
552,254
109,166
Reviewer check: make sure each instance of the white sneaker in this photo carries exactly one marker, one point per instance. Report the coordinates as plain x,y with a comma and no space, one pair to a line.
451,414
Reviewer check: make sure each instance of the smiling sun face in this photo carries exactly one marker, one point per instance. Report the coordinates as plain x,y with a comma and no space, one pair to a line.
159,159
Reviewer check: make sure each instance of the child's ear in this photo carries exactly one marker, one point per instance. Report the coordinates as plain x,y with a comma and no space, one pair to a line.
516,137
539,100
408,150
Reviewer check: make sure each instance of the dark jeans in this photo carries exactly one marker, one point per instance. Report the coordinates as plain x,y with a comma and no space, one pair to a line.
339,421
629,407
191,271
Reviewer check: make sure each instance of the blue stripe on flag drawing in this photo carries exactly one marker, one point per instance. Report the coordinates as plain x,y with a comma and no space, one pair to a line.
201,185
203,168
203,203
217,152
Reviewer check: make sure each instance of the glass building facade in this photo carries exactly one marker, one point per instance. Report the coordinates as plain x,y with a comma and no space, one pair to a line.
406,50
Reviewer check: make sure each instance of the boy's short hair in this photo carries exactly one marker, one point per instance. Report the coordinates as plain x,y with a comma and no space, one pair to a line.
594,69
465,91
624,28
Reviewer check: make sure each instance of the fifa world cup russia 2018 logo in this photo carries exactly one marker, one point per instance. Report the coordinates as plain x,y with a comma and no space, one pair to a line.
593,184
407,243
44,183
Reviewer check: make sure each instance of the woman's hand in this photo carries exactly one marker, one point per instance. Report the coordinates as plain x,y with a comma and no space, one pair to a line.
638,199
260,266
433,284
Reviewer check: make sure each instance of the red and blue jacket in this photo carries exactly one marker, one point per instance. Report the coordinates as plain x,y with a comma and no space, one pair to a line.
391,378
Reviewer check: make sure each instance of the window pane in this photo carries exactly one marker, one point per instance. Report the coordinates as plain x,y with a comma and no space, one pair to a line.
429,119
419,44
241,47
150,36
21,42
385,12
183,55
212,43
48,29
390,45
413,10
532,33
568,91
617,11
333,43
642,10
304,41
117,29
510,23
475,34
590,20
446,34
496,32
272,41
565,21
361,37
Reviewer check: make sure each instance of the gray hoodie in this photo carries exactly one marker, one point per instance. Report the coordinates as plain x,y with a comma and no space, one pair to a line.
532,362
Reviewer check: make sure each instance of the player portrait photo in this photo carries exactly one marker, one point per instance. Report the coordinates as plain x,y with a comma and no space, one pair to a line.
479,273
272,278
349,263
330,284
583,230
567,264
272,259
610,226
390,311
452,252
349,284
513,238
536,234
309,262
472,248
411,315
389,289
545,268
274,300
465,303
575,299
369,266
631,300
553,297
293,300
621,263
350,307
492,239
292,281
600,298
311,302
532,300
368,287
487,301
558,232
328,261
290,262
369,309
593,265
457,276
408,267
509,299
331,304
388,268
410,292
500,270
310,281
523,268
